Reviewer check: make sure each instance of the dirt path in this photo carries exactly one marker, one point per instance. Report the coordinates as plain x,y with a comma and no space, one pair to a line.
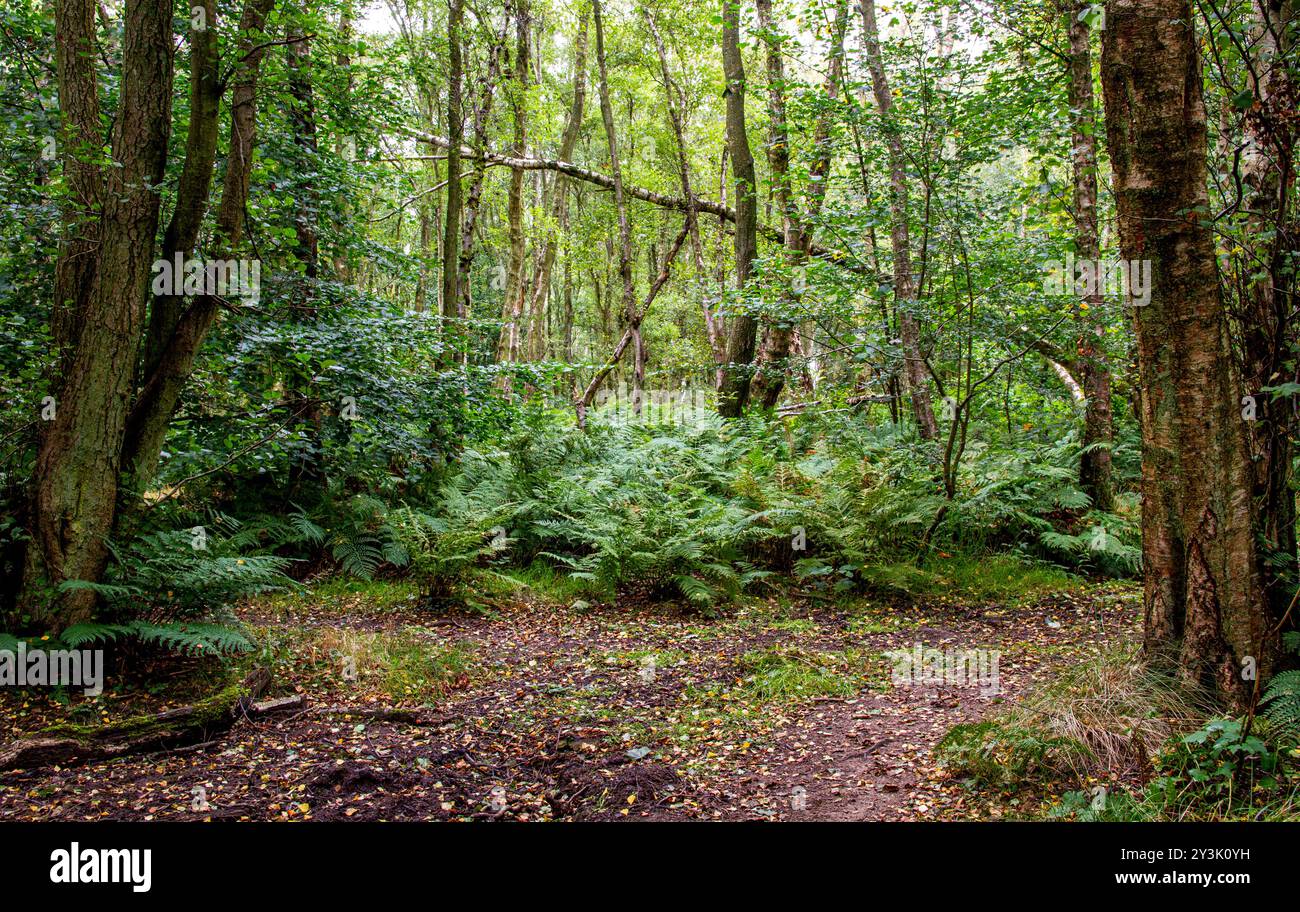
776,711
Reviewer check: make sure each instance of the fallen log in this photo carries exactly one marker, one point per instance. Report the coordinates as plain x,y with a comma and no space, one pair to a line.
66,744
375,714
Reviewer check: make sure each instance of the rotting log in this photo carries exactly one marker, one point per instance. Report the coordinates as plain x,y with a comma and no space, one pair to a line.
66,744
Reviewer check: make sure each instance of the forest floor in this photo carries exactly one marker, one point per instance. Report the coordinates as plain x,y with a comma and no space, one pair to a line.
779,709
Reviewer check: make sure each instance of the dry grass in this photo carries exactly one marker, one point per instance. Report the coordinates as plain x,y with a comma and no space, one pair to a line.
1118,708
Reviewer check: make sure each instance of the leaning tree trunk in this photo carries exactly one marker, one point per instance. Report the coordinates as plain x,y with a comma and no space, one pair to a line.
1203,603
733,391
1098,433
195,185
160,392
75,496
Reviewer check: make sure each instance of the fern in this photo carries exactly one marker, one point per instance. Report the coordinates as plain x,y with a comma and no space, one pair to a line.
359,555
193,638
186,637
163,571
79,635
1281,701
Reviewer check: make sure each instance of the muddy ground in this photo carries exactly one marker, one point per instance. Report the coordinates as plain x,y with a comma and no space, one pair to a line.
780,709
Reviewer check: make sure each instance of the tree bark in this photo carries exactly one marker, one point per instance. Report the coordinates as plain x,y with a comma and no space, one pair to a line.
167,730
1268,176
195,185
474,195
1204,606
77,464
80,140
343,61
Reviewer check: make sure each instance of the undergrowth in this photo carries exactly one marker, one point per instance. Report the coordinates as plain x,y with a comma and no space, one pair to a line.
1123,741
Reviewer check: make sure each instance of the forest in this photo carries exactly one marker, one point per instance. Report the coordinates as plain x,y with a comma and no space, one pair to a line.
629,410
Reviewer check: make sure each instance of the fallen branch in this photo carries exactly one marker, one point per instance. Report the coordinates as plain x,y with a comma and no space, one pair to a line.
844,259
375,714
279,704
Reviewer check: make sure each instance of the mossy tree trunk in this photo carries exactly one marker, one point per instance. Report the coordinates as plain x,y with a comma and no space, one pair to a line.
76,472
1268,302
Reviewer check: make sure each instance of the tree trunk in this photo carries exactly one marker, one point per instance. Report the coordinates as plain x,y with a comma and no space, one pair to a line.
733,393
1203,603
1268,175
513,303
774,353
899,233
195,186
616,171
559,207
474,195
1098,433
456,133
343,61
161,391
80,143
305,465
77,464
